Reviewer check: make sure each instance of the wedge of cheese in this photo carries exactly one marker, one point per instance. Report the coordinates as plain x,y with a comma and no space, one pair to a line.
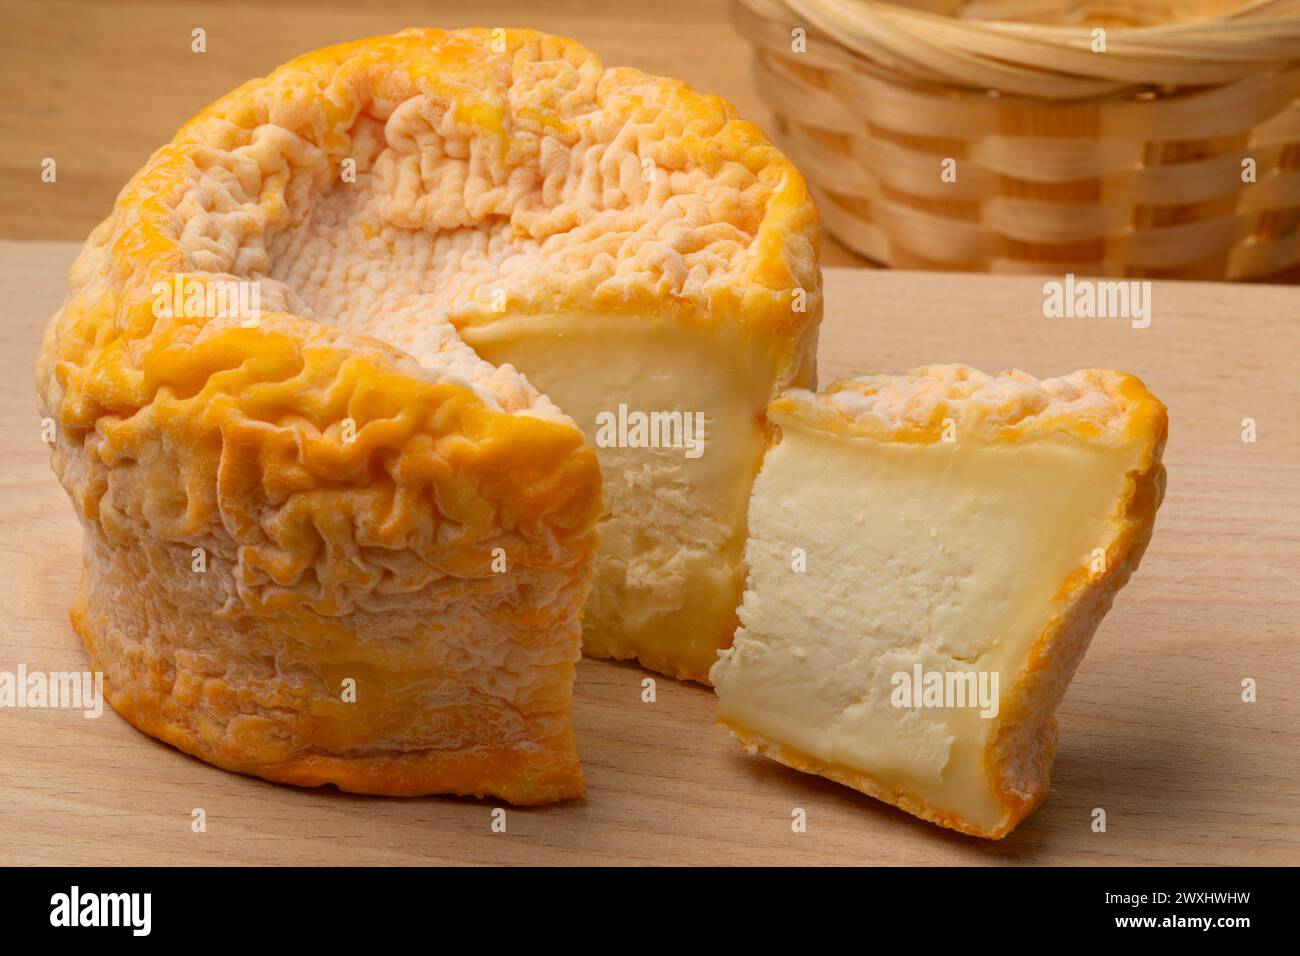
929,556
332,533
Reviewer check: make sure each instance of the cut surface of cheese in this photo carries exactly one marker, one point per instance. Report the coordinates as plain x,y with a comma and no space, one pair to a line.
929,556
669,571
333,534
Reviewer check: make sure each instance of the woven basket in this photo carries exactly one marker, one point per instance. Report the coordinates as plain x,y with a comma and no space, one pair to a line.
1127,162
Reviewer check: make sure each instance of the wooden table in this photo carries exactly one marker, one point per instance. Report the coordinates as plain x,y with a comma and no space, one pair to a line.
1153,729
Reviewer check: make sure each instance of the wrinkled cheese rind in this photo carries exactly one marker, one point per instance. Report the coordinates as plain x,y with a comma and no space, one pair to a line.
918,406
505,167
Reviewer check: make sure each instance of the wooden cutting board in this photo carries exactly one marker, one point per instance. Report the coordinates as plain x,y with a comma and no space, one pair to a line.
1154,729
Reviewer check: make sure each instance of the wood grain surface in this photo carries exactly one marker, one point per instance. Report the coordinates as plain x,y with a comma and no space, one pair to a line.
1153,729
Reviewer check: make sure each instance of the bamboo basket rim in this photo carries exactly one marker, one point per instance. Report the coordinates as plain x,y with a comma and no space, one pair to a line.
1053,61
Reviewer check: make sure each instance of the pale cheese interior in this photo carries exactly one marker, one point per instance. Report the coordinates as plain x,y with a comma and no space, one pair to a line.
950,555
668,574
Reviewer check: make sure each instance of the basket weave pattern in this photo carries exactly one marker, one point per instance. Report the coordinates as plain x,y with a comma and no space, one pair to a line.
1127,162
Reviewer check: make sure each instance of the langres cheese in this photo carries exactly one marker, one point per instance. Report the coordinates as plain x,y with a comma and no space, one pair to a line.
344,530
944,532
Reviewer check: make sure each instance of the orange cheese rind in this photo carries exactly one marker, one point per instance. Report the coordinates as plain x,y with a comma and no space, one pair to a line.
230,443
629,193
938,402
